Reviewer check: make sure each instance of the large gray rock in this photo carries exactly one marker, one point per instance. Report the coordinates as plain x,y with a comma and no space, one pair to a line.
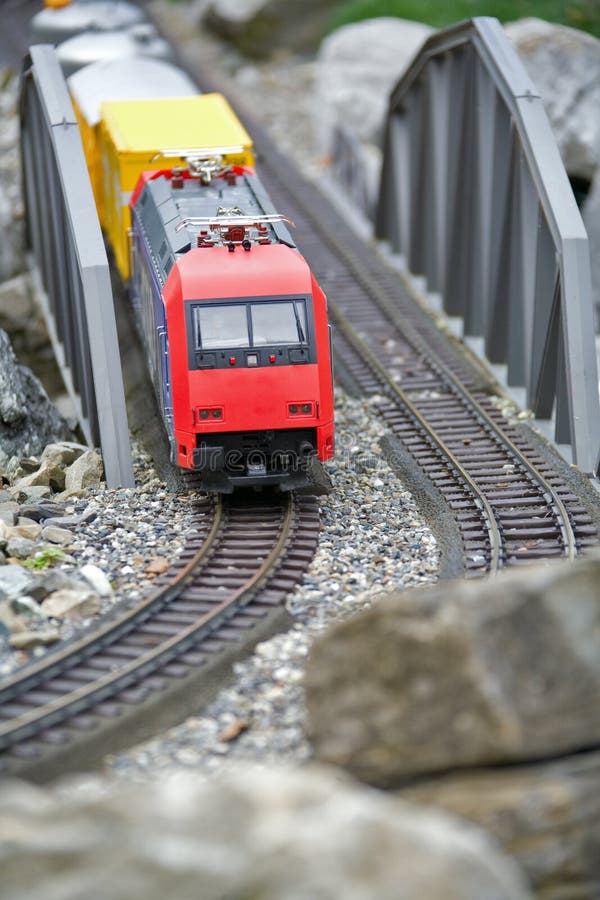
258,27
564,65
277,835
461,674
28,420
357,67
547,816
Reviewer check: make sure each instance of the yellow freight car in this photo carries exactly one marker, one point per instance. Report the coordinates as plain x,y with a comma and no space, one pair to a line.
131,78
141,135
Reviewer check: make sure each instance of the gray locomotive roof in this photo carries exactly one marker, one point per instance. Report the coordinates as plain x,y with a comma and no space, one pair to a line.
133,78
164,213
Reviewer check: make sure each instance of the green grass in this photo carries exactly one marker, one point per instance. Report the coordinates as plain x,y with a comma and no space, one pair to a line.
583,14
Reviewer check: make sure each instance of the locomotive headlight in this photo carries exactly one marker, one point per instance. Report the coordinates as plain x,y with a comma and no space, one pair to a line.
213,412
300,409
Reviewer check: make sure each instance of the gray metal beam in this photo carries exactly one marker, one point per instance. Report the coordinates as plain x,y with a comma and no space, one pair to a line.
70,261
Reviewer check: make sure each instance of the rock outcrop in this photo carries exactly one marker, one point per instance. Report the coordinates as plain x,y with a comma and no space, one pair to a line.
429,690
28,420
254,833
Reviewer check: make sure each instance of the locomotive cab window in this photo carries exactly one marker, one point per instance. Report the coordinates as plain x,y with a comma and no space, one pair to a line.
279,330
278,323
220,327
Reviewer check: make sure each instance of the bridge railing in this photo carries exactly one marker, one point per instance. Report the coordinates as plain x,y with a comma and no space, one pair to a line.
69,261
475,196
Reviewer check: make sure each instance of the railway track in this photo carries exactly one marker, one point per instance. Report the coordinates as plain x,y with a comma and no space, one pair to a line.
243,558
511,502
513,499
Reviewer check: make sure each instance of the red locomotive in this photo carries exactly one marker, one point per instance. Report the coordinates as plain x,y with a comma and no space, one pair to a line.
236,331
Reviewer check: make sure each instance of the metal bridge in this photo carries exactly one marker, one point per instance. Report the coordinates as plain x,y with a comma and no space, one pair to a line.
473,195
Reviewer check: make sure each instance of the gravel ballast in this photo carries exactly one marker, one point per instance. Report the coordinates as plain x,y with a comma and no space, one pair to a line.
373,539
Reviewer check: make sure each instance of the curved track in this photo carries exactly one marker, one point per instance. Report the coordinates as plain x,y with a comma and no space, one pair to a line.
241,561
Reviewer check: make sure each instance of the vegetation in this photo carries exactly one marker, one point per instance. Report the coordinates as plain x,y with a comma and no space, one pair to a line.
583,14
44,558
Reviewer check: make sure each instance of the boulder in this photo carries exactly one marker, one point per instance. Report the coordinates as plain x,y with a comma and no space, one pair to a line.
71,603
31,531
47,475
97,579
19,547
63,454
9,512
262,833
357,67
564,65
258,27
27,640
55,535
17,303
11,623
47,581
461,674
15,581
27,607
28,420
87,471
546,816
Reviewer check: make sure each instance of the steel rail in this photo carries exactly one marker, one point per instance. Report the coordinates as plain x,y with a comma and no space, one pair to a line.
417,342
366,354
87,696
57,663
69,657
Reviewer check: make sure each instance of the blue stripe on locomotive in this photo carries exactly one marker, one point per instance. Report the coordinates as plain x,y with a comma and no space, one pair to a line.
145,292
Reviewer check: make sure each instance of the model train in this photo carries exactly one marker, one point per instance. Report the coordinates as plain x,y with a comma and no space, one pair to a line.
233,322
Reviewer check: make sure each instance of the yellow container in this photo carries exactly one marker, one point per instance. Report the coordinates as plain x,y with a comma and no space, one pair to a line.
143,135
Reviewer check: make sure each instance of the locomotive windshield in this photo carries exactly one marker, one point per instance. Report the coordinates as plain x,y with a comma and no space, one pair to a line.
227,326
